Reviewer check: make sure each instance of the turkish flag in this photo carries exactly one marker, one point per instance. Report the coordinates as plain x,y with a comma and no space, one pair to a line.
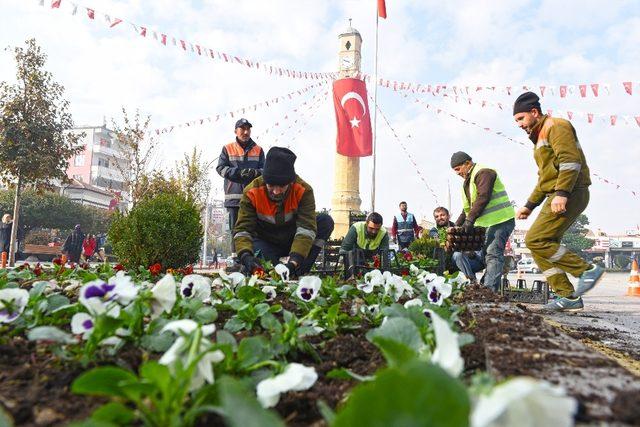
352,118
382,9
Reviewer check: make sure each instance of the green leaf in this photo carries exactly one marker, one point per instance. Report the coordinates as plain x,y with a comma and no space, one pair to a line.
93,423
250,294
157,374
242,409
346,374
6,420
157,342
115,413
103,381
234,325
50,333
206,315
253,350
262,308
270,323
56,302
224,337
325,410
394,352
401,330
418,394
37,289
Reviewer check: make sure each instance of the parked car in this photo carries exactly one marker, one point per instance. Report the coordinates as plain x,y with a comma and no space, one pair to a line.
528,265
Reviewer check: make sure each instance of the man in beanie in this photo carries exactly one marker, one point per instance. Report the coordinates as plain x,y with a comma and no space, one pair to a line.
240,162
72,246
485,204
563,190
278,219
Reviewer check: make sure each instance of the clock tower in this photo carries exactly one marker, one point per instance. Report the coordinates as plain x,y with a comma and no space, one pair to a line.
346,189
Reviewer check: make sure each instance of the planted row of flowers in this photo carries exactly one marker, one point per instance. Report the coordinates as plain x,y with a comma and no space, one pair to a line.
241,367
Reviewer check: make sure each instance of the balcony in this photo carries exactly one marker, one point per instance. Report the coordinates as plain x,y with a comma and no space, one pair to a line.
107,151
104,172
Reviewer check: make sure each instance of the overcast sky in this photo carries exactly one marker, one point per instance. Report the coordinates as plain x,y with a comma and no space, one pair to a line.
463,43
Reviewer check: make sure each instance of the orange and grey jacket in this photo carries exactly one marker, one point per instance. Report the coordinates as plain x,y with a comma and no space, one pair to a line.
232,160
280,223
562,166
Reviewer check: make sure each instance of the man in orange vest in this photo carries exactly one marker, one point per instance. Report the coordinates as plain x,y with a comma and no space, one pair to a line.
240,162
278,218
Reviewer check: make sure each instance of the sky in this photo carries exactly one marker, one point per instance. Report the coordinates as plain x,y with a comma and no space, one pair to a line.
458,43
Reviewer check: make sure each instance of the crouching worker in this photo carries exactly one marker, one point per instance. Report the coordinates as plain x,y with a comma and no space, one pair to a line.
364,240
277,218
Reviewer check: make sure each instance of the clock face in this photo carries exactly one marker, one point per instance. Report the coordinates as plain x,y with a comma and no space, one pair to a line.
346,63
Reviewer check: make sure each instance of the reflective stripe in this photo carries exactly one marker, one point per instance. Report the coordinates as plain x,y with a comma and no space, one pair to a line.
224,170
267,218
552,272
253,158
496,208
319,242
498,195
301,231
243,234
236,158
570,167
542,143
232,196
406,231
559,254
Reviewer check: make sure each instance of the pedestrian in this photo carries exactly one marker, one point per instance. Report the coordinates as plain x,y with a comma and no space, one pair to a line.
240,162
277,218
89,247
72,246
563,190
5,233
405,228
485,204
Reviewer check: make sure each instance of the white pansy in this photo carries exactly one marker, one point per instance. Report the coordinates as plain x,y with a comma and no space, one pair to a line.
524,401
164,295
126,290
438,291
413,270
196,286
460,279
12,303
372,279
269,292
233,279
283,271
395,286
82,324
252,280
426,277
416,302
296,377
308,288
372,310
179,350
447,352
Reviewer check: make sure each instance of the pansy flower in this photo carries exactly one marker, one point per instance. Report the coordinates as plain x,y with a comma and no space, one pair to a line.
269,292
296,377
438,291
164,295
416,302
371,280
234,279
12,303
283,271
308,288
196,286
447,351
100,297
82,324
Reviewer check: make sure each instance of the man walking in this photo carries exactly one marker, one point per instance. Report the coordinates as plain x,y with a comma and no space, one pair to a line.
72,246
405,228
485,204
563,190
278,219
240,162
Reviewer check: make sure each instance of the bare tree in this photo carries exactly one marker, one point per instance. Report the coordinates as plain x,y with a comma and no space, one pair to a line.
136,148
193,175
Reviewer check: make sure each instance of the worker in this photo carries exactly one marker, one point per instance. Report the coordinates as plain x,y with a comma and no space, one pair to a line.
563,190
405,228
369,236
277,218
240,162
485,204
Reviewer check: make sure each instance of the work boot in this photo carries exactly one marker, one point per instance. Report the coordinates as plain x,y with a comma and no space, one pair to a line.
588,280
564,304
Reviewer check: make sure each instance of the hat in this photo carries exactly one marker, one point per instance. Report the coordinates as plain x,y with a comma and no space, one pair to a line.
278,166
242,123
77,227
458,158
526,102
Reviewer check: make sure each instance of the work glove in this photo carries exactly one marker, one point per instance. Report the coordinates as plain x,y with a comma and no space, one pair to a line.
468,227
249,263
293,270
249,174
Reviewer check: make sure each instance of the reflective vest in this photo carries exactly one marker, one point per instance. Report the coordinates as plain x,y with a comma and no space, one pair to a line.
241,158
405,228
499,208
364,241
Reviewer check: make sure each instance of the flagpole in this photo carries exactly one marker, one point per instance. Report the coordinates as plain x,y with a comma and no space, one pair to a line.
375,115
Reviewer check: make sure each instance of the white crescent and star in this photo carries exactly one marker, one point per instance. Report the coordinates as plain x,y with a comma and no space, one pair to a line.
353,95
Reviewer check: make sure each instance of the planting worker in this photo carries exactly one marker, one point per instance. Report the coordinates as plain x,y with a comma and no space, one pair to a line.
277,218
405,228
369,236
485,204
72,246
469,262
563,190
240,162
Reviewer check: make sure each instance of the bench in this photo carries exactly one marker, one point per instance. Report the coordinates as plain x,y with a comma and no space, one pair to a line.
42,252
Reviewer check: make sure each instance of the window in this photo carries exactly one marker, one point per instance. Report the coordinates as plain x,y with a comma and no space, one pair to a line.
103,162
78,160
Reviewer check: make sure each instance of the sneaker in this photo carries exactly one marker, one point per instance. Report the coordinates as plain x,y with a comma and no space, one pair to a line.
564,304
588,280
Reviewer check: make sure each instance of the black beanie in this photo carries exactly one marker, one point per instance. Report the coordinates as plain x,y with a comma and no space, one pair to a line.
526,102
459,158
278,166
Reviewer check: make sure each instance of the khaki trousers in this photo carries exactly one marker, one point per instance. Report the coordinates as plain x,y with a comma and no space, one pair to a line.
543,239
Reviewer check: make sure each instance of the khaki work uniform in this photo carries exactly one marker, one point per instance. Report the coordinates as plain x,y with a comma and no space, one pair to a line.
562,171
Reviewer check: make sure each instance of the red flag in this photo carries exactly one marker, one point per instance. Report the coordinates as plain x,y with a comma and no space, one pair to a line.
583,90
594,88
590,117
563,91
628,87
55,4
638,120
614,118
115,22
91,13
143,31
163,40
352,118
382,9
569,115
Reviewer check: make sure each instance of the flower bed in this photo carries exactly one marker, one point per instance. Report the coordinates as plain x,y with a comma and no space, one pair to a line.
126,348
